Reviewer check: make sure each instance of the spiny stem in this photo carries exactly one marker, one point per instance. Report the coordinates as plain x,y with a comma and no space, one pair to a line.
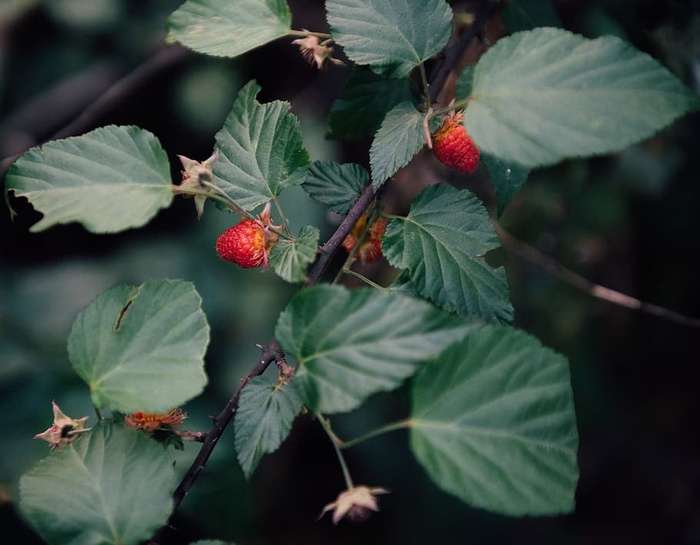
401,424
334,440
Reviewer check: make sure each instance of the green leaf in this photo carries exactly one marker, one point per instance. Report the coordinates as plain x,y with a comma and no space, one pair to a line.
110,179
228,29
364,101
261,150
264,419
142,348
545,95
493,423
442,242
336,185
506,178
392,36
400,137
290,258
113,485
350,344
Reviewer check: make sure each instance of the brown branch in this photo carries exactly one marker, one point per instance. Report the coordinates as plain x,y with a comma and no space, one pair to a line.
327,251
271,353
543,261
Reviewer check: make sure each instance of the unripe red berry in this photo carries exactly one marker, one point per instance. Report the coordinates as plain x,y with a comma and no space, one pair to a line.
371,247
454,147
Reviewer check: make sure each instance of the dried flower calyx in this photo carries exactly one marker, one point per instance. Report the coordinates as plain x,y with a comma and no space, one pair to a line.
151,422
356,503
64,429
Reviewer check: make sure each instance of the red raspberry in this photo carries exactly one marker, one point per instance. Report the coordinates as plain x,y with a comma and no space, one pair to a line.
453,146
243,244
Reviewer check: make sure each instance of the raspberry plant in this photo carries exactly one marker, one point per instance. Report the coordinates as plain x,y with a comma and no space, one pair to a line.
491,417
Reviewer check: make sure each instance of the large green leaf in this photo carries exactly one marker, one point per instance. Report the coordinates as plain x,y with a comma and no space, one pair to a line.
364,101
113,485
350,344
261,150
492,421
544,95
291,258
264,419
142,348
442,242
336,185
110,179
228,29
400,137
392,36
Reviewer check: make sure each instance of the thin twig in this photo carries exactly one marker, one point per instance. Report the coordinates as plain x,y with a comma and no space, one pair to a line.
453,52
118,92
543,261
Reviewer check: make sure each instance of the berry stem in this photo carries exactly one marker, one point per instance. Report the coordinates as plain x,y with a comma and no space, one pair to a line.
399,425
350,272
337,446
305,33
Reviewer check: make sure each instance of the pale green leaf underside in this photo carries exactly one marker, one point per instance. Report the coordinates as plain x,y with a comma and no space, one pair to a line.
442,243
399,138
392,36
110,179
290,258
264,419
224,28
493,423
547,94
349,344
261,150
112,486
336,185
142,348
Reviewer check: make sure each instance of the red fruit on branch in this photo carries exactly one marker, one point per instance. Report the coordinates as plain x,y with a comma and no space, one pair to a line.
243,244
453,146
248,243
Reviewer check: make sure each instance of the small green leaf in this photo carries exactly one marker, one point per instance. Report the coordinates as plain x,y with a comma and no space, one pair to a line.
506,178
442,242
492,421
392,36
400,137
350,344
142,348
228,29
113,485
110,179
261,150
290,258
264,419
364,101
336,185
545,95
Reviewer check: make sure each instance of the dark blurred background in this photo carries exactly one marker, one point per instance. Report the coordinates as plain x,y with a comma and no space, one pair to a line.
629,221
